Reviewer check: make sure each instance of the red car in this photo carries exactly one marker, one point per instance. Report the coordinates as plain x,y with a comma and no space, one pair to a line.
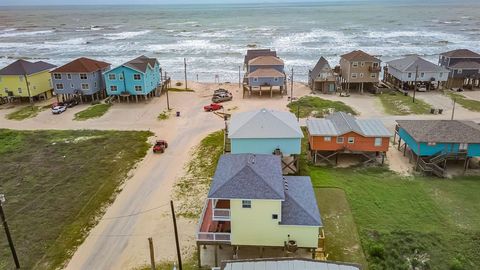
160,146
212,107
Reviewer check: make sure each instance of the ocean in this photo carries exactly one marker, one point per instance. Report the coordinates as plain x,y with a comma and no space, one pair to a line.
214,38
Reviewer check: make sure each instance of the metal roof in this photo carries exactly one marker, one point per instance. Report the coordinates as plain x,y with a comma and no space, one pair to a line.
442,131
263,124
410,63
286,264
340,123
300,205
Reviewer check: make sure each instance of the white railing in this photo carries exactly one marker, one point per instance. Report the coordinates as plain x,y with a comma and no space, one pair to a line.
220,214
214,237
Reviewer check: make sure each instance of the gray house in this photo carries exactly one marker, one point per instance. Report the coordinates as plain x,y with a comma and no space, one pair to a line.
464,67
322,78
82,77
265,72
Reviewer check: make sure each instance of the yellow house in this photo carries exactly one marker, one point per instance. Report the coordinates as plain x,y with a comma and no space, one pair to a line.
26,79
250,203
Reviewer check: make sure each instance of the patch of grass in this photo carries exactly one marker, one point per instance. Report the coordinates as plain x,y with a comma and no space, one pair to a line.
317,107
396,103
25,112
56,184
191,190
469,104
174,89
190,264
93,111
164,115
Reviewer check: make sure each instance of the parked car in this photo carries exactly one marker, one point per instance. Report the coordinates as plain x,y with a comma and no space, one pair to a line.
222,98
421,88
59,109
220,91
160,146
71,103
212,107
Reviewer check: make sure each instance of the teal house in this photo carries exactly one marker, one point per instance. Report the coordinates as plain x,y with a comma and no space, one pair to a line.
266,132
434,142
138,77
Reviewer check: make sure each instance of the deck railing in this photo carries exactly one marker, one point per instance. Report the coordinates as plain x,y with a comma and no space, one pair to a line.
221,214
214,237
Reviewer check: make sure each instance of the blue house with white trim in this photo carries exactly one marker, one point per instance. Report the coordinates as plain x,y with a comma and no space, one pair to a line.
433,142
138,77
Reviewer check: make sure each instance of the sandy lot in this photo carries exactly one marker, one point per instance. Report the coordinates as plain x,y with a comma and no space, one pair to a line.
141,210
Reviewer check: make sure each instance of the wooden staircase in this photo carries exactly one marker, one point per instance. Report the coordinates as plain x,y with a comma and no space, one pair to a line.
320,253
431,164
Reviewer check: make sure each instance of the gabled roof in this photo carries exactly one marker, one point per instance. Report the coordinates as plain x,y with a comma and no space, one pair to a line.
300,205
410,63
256,53
442,131
340,123
248,176
461,53
141,63
264,123
82,64
360,55
286,263
321,65
265,61
466,65
22,67
266,73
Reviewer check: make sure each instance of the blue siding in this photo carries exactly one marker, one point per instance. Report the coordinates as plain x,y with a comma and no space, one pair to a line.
266,81
74,84
288,146
409,140
125,82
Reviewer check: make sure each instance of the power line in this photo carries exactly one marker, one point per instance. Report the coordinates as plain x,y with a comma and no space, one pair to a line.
137,213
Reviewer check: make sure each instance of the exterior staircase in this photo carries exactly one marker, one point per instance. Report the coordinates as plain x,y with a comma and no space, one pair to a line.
431,164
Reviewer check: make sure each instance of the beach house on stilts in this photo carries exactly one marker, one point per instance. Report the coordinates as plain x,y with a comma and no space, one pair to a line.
264,71
359,71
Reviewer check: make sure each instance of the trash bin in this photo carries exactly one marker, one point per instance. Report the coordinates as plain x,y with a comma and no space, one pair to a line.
405,93
178,114
440,111
432,111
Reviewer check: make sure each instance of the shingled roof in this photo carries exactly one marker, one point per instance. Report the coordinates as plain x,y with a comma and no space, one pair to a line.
23,67
265,61
265,73
461,53
256,53
300,205
82,64
340,123
360,55
264,123
442,131
321,67
466,65
141,63
410,64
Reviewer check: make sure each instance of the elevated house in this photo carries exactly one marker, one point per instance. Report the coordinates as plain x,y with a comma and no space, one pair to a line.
266,132
359,70
82,77
431,143
24,79
251,204
138,77
286,263
340,133
322,78
405,72
265,71
464,67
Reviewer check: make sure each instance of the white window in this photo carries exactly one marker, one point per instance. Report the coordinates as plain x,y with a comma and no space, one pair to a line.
431,144
59,86
94,74
463,147
57,76
113,88
246,204
327,139
95,84
276,79
441,74
83,76
339,139
422,74
112,77
274,216
375,64
120,77
361,75
19,90
409,75
355,64
137,77
255,79
351,140
362,64
378,142
354,75
6,90
85,86
459,71
71,86
138,88
373,75
69,76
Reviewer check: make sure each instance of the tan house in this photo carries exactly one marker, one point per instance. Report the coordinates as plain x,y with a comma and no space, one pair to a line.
359,70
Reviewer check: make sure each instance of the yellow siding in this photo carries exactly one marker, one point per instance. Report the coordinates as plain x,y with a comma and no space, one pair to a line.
39,83
255,226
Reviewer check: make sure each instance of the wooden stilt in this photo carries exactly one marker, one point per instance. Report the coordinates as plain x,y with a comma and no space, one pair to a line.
136,98
216,255
199,259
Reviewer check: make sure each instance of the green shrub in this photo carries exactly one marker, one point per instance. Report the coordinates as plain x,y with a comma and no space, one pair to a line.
178,84
377,251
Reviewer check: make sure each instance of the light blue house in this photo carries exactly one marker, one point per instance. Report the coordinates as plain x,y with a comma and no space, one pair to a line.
266,132
138,77
434,142
264,71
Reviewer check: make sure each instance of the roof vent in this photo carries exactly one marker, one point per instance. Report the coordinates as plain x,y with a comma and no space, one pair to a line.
252,160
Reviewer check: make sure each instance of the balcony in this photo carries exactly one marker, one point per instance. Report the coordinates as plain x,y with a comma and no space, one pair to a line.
374,69
214,225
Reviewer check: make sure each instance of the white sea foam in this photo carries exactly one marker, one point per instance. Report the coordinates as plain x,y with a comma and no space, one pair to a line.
73,41
125,35
198,45
183,23
25,33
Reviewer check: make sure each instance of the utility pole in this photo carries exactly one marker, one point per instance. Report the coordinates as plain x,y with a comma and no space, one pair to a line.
291,88
453,110
239,78
152,253
179,255
415,86
166,92
185,71
7,232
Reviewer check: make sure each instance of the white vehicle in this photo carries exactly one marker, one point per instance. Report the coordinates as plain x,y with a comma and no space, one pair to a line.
59,109
421,88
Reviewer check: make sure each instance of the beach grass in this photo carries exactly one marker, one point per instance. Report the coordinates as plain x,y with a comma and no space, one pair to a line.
469,104
174,89
317,107
163,115
56,184
94,111
26,112
396,103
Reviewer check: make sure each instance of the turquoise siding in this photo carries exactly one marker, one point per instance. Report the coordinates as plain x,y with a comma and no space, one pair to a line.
288,146
423,149
125,82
